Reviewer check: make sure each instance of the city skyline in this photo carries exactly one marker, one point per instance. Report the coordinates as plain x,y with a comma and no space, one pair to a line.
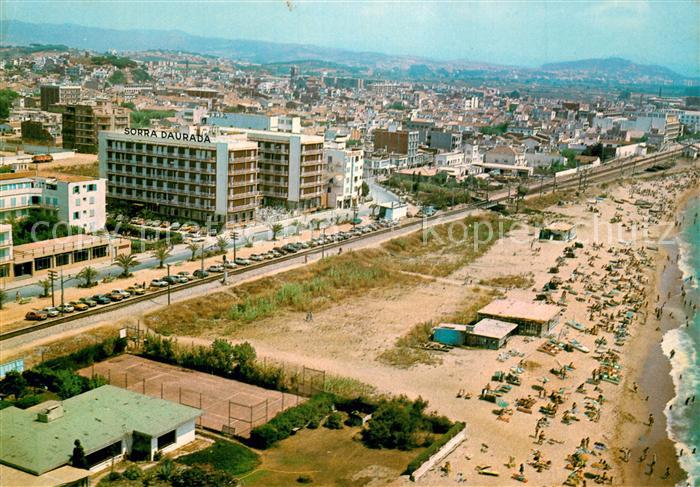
509,33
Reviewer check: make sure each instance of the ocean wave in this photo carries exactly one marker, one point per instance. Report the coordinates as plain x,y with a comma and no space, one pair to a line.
686,379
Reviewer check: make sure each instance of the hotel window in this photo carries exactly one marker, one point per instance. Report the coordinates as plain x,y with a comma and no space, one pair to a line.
76,189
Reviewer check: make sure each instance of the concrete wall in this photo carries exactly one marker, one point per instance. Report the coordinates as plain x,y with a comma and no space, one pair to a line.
440,454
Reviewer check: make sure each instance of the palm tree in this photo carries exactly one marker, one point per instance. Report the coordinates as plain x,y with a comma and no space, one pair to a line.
276,229
161,252
126,262
87,274
192,247
45,287
222,243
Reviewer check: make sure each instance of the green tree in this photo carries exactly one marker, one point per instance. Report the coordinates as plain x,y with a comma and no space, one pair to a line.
365,189
117,78
221,243
88,275
13,385
45,287
126,262
7,96
276,229
161,252
68,384
193,247
77,459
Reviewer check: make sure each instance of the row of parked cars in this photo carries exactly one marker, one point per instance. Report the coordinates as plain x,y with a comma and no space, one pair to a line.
182,277
83,304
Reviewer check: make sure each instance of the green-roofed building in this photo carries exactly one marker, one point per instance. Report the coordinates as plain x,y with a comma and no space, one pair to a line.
109,422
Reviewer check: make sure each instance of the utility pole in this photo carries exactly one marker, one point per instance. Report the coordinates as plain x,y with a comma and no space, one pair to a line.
201,248
225,280
61,291
323,243
234,236
52,277
168,265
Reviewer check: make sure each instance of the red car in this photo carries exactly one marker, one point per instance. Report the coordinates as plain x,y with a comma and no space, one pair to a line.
36,316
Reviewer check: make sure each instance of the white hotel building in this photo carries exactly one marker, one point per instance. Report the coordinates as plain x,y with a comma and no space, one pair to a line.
215,180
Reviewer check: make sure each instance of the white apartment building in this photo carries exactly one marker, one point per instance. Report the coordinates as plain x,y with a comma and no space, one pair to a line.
182,176
253,121
345,174
5,249
291,167
446,159
78,201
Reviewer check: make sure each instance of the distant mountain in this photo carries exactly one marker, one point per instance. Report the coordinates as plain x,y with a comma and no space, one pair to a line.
15,32
613,67
315,58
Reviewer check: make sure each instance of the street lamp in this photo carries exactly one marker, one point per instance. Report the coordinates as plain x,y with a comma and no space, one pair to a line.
168,265
234,236
323,242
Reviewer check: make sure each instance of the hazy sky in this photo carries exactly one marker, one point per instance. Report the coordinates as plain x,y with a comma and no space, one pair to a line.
665,32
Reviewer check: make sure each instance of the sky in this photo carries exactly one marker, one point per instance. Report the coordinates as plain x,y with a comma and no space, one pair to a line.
525,33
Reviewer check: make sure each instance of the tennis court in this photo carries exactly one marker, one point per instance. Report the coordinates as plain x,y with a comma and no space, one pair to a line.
228,406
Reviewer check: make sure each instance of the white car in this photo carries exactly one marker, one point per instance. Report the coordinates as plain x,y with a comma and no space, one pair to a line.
159,283
122,292
51,311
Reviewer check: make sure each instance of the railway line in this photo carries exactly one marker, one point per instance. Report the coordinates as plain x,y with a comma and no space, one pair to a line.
604,173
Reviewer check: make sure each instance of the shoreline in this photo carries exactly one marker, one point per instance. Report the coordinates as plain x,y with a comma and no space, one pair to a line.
653,372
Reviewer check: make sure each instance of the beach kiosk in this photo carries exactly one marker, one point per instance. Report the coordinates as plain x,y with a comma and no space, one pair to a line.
532,318
490,333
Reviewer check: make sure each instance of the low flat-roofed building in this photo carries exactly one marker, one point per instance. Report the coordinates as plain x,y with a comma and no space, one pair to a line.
108,421
532,318
33,258
489,333
560,231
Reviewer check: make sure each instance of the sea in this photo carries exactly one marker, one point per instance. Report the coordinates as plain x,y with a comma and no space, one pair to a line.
684,421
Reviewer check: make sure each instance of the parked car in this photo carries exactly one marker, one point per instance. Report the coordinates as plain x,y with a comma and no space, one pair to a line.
101,299
256,257
242,261
136,290
65,308
36,315
91,303
277,253
124,294
182,279
159,283
115,296
186,275
51,312
230,265
175,226
79,306
215,268
200,274
170,279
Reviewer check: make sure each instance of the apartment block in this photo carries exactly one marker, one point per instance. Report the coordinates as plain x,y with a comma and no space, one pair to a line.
77,201
398,141
253,121
185,177
83,122
59,95
291,168
345,167
5,249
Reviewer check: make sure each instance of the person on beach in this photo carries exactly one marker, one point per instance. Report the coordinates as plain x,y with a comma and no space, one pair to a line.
650,422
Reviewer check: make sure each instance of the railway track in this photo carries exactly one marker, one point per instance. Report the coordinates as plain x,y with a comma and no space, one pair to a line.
599,175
